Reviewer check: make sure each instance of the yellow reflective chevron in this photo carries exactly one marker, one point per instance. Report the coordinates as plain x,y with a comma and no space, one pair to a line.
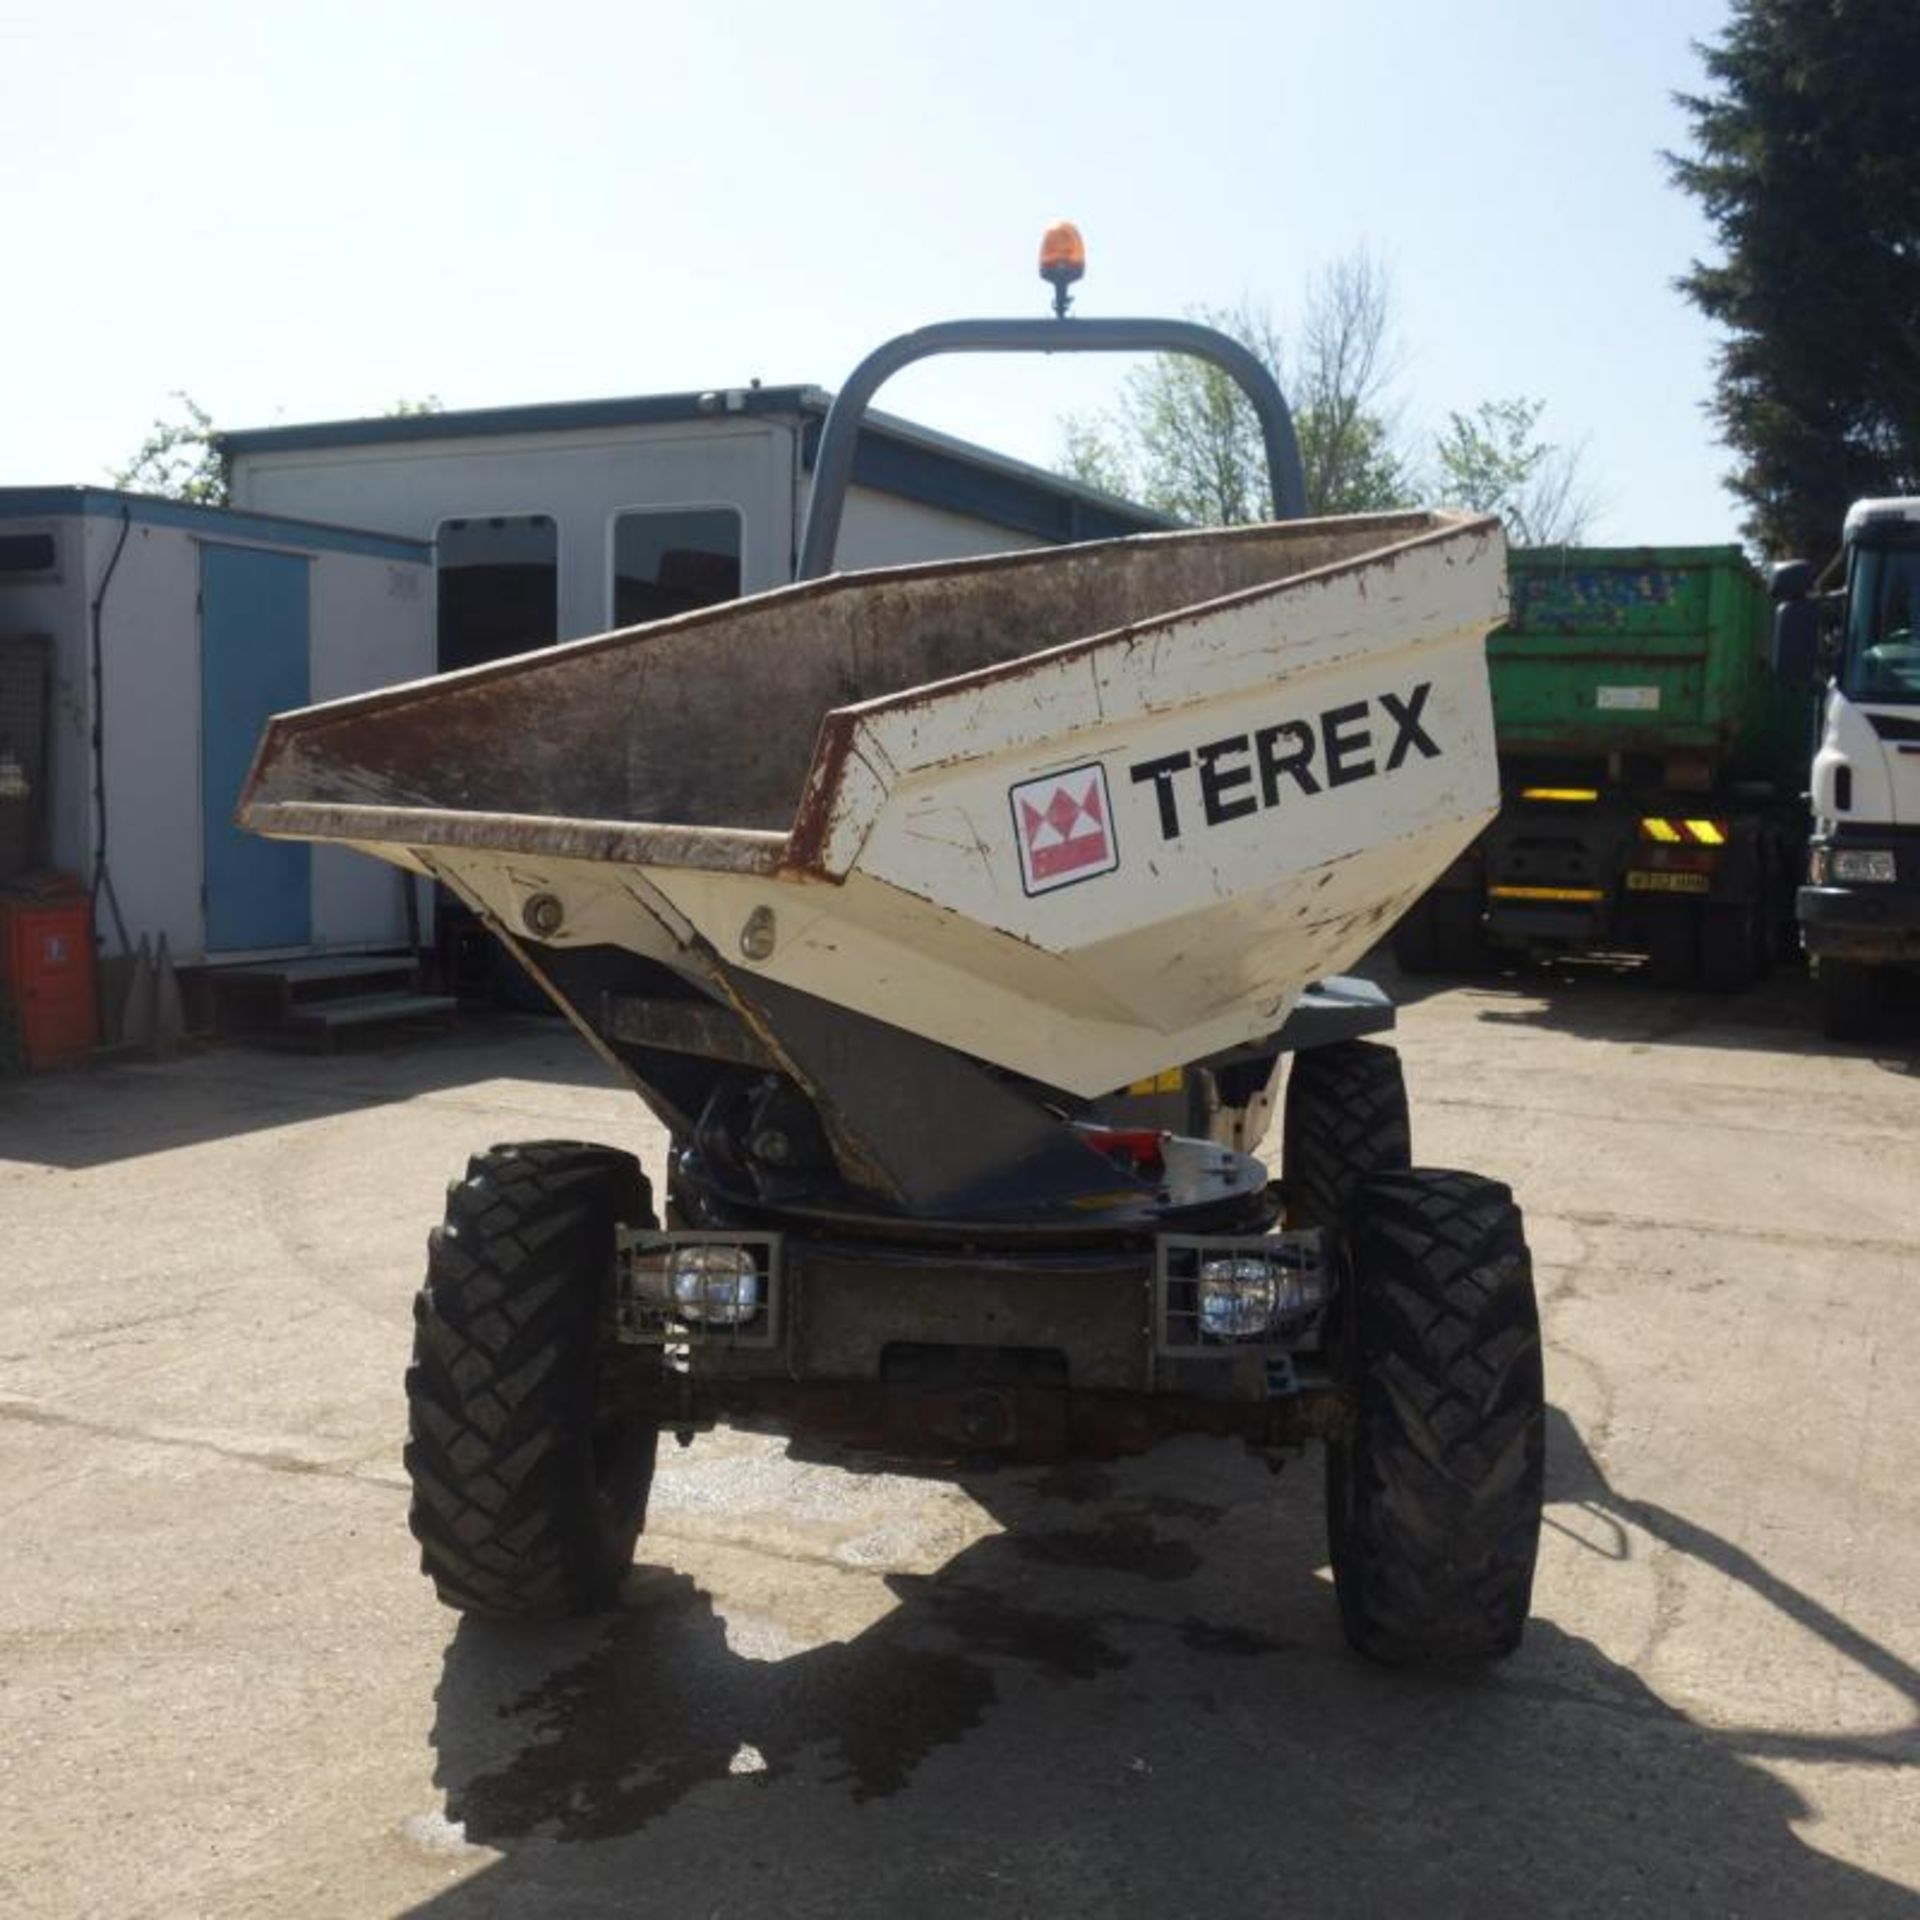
1582,895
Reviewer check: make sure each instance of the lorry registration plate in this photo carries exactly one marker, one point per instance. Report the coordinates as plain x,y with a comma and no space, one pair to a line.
1639,882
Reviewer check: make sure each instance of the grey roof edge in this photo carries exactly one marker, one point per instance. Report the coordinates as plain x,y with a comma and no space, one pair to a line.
576,416
240,523
543,416
977,455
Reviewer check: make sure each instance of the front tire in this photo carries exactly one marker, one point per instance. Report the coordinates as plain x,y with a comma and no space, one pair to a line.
1434,1494
1849,999
1345,1119
528,1492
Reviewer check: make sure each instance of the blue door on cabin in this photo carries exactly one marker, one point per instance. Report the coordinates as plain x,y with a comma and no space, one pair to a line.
253,662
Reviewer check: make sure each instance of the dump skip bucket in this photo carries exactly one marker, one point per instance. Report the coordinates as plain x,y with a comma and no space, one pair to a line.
1085,813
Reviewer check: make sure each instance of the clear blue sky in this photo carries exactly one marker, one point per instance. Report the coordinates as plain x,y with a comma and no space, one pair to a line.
303,213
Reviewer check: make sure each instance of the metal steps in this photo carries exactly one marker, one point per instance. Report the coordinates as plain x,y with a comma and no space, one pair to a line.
313,1001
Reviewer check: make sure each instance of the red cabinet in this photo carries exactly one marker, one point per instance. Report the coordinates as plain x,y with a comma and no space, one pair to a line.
46,968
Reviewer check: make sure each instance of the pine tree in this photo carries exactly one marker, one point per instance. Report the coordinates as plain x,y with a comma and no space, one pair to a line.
1807,163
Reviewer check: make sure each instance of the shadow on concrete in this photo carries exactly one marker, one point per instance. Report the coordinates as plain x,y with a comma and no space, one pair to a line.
1575,1479
1607,999
92,1117
1134,1700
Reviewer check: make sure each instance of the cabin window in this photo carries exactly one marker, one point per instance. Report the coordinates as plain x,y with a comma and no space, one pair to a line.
27,555
673,559
499,581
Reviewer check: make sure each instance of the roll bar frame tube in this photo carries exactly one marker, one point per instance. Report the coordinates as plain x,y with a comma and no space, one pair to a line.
833,463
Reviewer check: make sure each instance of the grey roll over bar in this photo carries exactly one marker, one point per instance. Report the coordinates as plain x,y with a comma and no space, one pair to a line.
833,464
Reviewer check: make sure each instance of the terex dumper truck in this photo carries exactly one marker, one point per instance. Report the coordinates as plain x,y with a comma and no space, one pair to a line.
875,889
1651,768
1859,910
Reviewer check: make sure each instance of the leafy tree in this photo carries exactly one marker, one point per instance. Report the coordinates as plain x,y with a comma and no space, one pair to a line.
1492,460
1807,163
1352,446
1184,439
1090,453
179,459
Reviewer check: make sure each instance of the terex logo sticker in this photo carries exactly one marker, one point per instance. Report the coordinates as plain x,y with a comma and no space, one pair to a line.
1065,827
1248,772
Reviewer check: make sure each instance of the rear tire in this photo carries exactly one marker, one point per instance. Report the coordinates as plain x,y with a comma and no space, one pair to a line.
1673,948
1416,938
1733,946
527,1494
1434,1494
1442,933
1345,1119
1849,999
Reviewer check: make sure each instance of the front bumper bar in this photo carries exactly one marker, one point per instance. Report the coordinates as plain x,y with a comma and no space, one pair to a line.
951,1352
1870,922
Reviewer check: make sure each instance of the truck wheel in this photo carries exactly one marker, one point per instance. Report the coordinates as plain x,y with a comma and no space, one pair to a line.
1434,1494
1442,933
1849,999
1345,1119
1416,937
1733,946
527,1495
1673,948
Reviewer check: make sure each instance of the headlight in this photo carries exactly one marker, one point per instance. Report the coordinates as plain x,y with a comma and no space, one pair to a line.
1243,1296
717,1286
1237,1298
1857,864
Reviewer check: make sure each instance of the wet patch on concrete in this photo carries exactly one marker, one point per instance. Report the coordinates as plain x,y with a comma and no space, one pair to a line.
1068,1645
1206,1636
661,1706
1078,1482
1122,1546
1174,1506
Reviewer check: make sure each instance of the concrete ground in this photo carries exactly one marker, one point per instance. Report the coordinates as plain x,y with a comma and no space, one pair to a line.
224,1689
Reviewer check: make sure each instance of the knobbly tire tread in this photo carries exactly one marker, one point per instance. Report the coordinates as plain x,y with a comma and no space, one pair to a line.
1416,938
1673,944
1849,1001
526,1504
1733,947
1344,1119
1434,1496
1442,933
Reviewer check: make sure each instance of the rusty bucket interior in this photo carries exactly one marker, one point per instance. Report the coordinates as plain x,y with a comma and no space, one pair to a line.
712,719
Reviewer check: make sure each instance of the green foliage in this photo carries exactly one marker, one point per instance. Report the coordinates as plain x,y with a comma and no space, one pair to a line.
1183,439
1354,462
1492,460
178,459
1352,449
1807,164
1091,454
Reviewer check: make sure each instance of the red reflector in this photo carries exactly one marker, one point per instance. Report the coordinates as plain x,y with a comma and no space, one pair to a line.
1136,1147
1678,859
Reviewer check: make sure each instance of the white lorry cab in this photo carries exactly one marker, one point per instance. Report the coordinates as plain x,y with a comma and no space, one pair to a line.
1859,910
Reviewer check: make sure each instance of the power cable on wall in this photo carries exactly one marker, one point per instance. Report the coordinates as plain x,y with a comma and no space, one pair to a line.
102,878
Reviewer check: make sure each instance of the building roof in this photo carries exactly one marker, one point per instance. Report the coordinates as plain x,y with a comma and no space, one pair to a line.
277,529
895,456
